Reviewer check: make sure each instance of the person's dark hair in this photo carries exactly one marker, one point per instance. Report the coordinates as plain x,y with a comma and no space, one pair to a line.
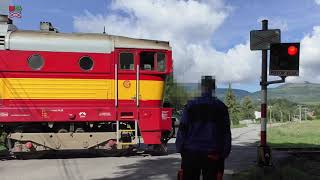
208,83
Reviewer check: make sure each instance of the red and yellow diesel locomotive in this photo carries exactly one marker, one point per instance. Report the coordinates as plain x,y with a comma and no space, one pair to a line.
64,91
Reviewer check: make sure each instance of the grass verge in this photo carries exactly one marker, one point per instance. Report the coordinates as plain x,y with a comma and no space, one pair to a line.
294,168
238,126
295,135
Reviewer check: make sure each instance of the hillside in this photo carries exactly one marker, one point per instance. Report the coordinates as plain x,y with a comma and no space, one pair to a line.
220,92
305,93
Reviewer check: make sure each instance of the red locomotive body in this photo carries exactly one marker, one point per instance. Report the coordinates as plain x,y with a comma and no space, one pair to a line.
82,91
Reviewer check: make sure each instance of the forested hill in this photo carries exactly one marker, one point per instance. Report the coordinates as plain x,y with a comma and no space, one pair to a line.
193,87
306,93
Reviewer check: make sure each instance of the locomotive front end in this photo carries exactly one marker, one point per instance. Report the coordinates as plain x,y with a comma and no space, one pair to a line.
64,91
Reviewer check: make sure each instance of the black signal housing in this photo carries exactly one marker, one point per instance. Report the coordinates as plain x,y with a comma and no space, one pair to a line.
284,59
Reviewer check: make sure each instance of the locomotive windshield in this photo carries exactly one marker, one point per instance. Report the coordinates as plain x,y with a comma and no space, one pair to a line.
147,60
126,61
161,62
153,61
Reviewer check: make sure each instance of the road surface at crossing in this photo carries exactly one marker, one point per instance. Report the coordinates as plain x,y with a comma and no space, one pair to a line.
243,156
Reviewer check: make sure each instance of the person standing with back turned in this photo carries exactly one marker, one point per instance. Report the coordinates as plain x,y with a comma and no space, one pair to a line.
204,136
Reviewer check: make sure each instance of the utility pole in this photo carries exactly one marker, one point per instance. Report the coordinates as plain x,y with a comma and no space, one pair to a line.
305,113
300,112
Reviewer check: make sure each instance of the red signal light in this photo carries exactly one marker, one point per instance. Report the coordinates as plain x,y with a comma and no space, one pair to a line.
292,50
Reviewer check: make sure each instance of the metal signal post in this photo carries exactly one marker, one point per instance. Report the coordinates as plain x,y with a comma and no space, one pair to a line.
264,152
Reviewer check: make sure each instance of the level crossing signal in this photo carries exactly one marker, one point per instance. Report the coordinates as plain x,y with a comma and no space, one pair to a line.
284,59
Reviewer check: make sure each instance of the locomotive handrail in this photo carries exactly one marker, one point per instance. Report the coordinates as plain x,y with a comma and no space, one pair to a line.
137,86
116,84
135,131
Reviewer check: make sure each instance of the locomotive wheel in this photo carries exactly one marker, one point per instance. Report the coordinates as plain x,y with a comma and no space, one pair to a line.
159,150
114,152
166,136
8,143
24,155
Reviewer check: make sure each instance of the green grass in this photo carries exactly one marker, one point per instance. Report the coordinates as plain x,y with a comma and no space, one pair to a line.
293,168
295,135
299,166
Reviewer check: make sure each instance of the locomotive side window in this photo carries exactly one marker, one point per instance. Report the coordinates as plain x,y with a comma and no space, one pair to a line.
161,62
147,60
126,61
35,62
86,63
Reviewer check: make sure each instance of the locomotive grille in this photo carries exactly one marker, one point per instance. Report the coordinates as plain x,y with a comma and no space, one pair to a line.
2,38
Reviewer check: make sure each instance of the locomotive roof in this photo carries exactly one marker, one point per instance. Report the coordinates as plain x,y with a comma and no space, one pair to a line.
77,42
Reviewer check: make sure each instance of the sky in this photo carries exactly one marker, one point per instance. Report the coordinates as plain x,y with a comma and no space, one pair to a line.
208,37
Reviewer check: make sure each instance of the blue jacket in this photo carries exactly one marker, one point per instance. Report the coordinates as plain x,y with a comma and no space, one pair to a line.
204,127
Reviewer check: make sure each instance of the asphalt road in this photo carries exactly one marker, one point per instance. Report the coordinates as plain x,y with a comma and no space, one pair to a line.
74,167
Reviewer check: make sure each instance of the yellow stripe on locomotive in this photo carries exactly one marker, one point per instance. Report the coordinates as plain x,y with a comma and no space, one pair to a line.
60,88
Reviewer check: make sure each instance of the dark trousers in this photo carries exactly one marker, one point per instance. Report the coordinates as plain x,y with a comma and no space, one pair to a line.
195,164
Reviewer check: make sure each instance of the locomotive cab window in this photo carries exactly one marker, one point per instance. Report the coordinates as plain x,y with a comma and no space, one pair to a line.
126,61
147,60
86,63
161,62
35,62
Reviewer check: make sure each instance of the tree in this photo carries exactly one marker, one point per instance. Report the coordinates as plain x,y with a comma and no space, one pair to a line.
247,108
234,108
281,109
175,94
316,109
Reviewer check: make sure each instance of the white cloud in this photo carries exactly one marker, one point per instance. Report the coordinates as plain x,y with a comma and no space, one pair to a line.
237,65
189,26
317,2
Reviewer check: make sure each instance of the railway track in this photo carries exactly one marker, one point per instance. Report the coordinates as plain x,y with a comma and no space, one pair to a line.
69,154
5,155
